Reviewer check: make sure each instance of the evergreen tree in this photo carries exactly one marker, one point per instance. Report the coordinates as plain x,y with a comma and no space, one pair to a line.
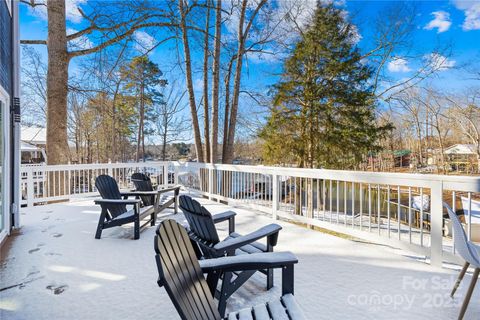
323,112
143,77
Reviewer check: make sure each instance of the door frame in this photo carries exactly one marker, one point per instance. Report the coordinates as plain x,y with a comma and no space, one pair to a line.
5,97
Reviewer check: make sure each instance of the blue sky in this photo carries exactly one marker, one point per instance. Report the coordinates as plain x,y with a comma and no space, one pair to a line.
453,23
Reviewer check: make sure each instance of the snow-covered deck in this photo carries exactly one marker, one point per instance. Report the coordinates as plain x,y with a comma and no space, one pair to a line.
53,268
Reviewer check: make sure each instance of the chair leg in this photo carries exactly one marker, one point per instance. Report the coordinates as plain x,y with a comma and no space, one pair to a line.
153,218
460,278
222,301
469,293
98,234
288,280
136,228
101,220
269,279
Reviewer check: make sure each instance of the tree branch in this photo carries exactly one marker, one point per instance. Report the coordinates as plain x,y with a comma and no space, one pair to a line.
32,3
33,42
117,39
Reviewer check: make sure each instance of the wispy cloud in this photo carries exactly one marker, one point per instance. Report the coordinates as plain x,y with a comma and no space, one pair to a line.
441,21
439,62
198,84
71,10
472,14
398,65
144,41
263,57
79,43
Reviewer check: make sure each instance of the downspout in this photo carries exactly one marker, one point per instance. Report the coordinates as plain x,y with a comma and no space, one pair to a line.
15,137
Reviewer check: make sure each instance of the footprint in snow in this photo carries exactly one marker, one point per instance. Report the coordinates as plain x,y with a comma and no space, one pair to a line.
47,228
52,254
46,218
57,235
32,273
57,289
33,250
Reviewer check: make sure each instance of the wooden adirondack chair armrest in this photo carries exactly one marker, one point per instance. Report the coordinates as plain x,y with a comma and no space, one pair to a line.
231,244
139,193
244,262
175,188
224,216
117,201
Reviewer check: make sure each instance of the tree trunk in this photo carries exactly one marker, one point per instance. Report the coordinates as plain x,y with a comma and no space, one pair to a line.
57,84
226,119
140,123
188,75
206,110
478,159
228,156
216,81
164,146
113,156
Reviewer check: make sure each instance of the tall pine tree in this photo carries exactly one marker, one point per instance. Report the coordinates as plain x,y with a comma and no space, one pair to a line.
323,112
143,77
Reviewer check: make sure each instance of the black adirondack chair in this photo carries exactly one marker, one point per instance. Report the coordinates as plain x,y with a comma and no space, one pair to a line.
181,274
143,183
114,207
203,232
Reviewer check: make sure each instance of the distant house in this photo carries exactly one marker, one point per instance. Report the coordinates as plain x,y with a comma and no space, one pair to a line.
461,157
33,144
9,117
402,158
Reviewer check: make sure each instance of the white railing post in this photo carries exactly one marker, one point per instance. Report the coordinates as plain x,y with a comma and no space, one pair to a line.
165,174
30,191
275,196
110,169
176,171
436,224
210,183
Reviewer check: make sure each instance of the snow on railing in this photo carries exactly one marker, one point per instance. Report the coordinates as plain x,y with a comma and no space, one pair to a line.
404,210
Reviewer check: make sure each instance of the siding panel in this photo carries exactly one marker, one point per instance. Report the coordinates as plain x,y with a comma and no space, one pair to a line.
5,47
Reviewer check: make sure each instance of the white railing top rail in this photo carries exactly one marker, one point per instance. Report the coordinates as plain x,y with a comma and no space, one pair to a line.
458,183
94,165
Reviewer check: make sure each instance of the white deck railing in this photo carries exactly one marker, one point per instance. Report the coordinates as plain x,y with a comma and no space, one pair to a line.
400,209
42,183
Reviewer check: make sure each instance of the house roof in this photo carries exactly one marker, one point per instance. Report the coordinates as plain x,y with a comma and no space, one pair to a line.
402,153
33,135
460,149
24,146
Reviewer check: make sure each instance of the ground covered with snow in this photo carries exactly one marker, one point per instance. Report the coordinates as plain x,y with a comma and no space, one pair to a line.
53,268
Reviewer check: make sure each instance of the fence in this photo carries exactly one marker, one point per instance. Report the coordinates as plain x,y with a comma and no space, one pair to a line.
402,209
42,183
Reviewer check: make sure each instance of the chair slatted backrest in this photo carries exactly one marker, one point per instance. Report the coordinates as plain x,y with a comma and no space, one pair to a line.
143,183
108,189
462,244
200,220
181,275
